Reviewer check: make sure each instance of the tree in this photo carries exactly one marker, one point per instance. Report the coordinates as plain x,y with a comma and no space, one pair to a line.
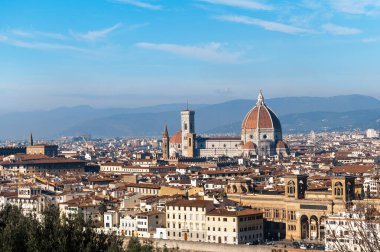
49,232
134,245
362,194
355,230
368,192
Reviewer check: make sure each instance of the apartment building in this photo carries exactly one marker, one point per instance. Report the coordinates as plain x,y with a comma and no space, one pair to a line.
199,220
234,226
186,219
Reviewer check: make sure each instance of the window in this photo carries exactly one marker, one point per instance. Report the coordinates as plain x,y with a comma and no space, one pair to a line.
338,189
291,188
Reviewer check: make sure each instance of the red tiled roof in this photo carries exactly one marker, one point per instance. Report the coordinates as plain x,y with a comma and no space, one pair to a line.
249,146
176,138
225,212
261,117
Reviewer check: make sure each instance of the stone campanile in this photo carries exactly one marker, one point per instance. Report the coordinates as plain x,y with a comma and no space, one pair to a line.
30,140
165,144
187,127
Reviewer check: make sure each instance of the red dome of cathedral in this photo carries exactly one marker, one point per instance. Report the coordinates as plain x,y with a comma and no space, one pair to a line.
176,138
249,146
281,145
261,117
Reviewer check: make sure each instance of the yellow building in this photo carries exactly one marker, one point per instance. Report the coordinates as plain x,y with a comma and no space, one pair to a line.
42,149
300,213
234,226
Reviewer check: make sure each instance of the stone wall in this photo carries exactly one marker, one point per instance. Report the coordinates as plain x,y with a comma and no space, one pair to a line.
207,247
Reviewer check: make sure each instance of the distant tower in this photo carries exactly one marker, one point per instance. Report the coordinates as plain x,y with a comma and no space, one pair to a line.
312,136
165,144
30,141
188,127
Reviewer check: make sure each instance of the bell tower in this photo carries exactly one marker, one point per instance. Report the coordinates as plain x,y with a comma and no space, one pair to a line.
165,143
295,186
187,127
30,141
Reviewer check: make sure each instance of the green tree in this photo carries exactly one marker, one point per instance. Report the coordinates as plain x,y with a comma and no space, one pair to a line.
134,245
49,232
368,192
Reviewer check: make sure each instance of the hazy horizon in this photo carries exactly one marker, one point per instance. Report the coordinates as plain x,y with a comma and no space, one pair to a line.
173,103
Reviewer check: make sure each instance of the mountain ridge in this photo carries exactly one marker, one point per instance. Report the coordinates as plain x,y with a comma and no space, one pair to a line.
297,114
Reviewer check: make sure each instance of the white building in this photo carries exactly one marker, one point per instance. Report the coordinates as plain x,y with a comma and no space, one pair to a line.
373,183
186,219
371,133
28,198
351,232
128,225
199,220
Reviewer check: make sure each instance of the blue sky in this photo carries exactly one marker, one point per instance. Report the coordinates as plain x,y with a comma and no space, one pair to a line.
129,53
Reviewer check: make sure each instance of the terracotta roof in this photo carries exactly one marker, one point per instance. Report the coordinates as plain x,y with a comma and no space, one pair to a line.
143,185
225,212
353,168
190,203
281,145
249,146
43,161
176,138
154,212
261,117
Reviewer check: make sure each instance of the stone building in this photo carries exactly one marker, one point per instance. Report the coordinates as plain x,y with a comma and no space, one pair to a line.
300,213
200,220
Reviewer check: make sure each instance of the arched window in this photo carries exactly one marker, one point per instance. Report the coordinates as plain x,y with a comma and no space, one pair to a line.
291,188
338,189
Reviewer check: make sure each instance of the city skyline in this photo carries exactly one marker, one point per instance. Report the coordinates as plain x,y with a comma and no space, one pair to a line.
130,53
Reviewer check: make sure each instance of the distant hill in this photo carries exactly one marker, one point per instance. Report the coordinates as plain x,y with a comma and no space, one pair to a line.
297,114
318,121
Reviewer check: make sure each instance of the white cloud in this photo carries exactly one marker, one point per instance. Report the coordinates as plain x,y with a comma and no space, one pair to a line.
362,7
212,52
140,4
244,4
267,25
94,35
340,30
39,45
33,34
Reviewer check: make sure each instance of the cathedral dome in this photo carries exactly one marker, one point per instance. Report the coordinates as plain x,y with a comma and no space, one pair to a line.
281,145
176,138
261,117
249,146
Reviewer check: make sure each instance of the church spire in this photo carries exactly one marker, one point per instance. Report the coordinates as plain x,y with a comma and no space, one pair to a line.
165,143
166,133
30,141
260,98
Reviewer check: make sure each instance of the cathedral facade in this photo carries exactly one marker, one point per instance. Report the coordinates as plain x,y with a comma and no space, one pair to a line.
261,137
